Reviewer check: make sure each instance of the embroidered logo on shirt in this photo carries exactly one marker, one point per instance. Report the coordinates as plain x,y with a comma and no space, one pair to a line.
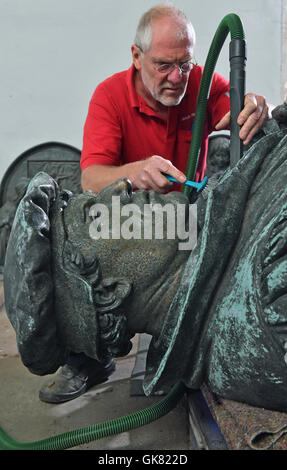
185,118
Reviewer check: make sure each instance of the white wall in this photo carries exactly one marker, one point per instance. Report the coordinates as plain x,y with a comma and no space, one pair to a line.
55,52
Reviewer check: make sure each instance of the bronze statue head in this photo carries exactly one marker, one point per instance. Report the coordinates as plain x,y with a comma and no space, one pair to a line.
67,290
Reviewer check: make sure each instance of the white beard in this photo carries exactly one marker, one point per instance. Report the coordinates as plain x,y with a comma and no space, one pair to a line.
156,94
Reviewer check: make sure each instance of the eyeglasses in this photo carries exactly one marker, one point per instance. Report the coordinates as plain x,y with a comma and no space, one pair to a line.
184,67
167,68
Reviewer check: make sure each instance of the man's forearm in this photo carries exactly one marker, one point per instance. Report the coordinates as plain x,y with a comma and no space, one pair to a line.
97,177
143,174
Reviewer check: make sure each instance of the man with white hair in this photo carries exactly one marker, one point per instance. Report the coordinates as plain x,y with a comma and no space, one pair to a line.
139,126
139,123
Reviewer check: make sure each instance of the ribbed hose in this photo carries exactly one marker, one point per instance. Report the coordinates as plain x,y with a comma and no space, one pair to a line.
99,431
230,23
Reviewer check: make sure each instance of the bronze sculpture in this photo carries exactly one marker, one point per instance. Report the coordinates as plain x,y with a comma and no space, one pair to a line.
216,313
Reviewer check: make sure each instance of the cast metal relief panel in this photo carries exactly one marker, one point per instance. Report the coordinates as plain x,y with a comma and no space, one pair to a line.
59,160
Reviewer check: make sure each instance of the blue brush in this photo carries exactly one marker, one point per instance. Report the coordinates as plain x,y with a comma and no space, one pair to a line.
199,186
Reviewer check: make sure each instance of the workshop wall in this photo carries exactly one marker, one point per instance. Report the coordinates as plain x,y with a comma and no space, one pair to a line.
54,53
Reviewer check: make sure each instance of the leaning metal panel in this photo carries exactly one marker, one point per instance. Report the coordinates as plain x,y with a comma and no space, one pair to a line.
59,160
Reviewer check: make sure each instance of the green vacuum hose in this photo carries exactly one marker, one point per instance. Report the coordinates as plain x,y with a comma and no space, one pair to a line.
70,439
98,431
230,23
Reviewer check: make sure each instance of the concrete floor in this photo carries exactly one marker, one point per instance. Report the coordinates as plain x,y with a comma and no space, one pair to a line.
26,419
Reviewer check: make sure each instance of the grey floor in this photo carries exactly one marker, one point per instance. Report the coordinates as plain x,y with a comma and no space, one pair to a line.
26,419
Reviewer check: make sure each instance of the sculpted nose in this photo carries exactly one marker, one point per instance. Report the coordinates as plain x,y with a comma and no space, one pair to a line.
122,189
123,185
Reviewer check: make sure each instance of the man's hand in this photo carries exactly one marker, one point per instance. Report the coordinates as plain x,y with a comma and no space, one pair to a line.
254,114
143,174
148,174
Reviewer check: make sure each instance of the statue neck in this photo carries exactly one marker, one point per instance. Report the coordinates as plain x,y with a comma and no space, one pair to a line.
147,310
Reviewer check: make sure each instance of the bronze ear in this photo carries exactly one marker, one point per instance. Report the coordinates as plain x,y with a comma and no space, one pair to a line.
108,297
110,294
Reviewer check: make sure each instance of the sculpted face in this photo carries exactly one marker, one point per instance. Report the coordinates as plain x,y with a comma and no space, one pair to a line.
218,155
77,293
149,264
143,259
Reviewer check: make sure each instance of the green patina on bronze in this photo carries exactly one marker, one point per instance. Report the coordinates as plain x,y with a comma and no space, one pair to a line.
217,314
228,320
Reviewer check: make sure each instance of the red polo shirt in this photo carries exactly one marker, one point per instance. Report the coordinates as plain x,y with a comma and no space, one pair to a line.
121,128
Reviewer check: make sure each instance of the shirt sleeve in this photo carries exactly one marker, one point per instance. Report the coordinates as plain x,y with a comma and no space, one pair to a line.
102,139
219,100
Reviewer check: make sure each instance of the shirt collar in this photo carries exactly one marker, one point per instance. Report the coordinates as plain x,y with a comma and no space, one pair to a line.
134,97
